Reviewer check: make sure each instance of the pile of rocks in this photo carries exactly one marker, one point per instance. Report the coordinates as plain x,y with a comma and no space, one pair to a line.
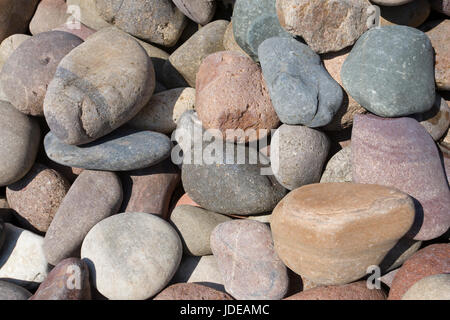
216,149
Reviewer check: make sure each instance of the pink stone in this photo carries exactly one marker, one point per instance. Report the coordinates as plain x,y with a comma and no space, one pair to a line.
399,152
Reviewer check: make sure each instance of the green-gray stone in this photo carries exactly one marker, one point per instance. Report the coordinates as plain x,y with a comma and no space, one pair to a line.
255,21
390,71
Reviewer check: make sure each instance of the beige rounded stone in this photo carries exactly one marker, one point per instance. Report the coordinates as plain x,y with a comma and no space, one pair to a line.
331,233
439,36
49,14
339,167
229,42
87,14
435,287
10,44
232,94
326,26
162,112
189,56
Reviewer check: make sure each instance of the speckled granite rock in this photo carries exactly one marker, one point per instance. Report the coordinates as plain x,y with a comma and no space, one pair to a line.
200,11
400,153
297,155
339,167
157,21
325,25
250,267
37,196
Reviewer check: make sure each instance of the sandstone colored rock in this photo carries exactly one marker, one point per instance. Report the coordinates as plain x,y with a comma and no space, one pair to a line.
69,280
343,118
437,120
195,225
431,260
164,109
131,255
150,189
339,167
11,291
34,63
157,21
231,94
19,143
352,291
297,155
441,44
37,196
191,291
98,87
330,233
248,262
10,44
400,153
325,25
93,196
190,55
435,287
200,11
22,259
49,14
229,42
15,15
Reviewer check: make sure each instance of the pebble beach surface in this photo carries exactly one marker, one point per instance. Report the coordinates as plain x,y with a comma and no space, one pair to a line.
224,150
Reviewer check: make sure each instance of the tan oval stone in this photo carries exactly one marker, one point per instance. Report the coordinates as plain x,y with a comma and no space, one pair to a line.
439,36
10,44
331,233
162,112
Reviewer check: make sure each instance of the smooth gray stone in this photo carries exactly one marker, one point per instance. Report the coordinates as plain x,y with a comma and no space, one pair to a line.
230,188
255,21
11,291
302,91
121,150
390,71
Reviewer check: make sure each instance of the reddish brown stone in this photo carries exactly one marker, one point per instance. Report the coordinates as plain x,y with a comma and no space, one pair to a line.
149,190
232,94
37,196
191,291
69,280
434,259
352,291
186,200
